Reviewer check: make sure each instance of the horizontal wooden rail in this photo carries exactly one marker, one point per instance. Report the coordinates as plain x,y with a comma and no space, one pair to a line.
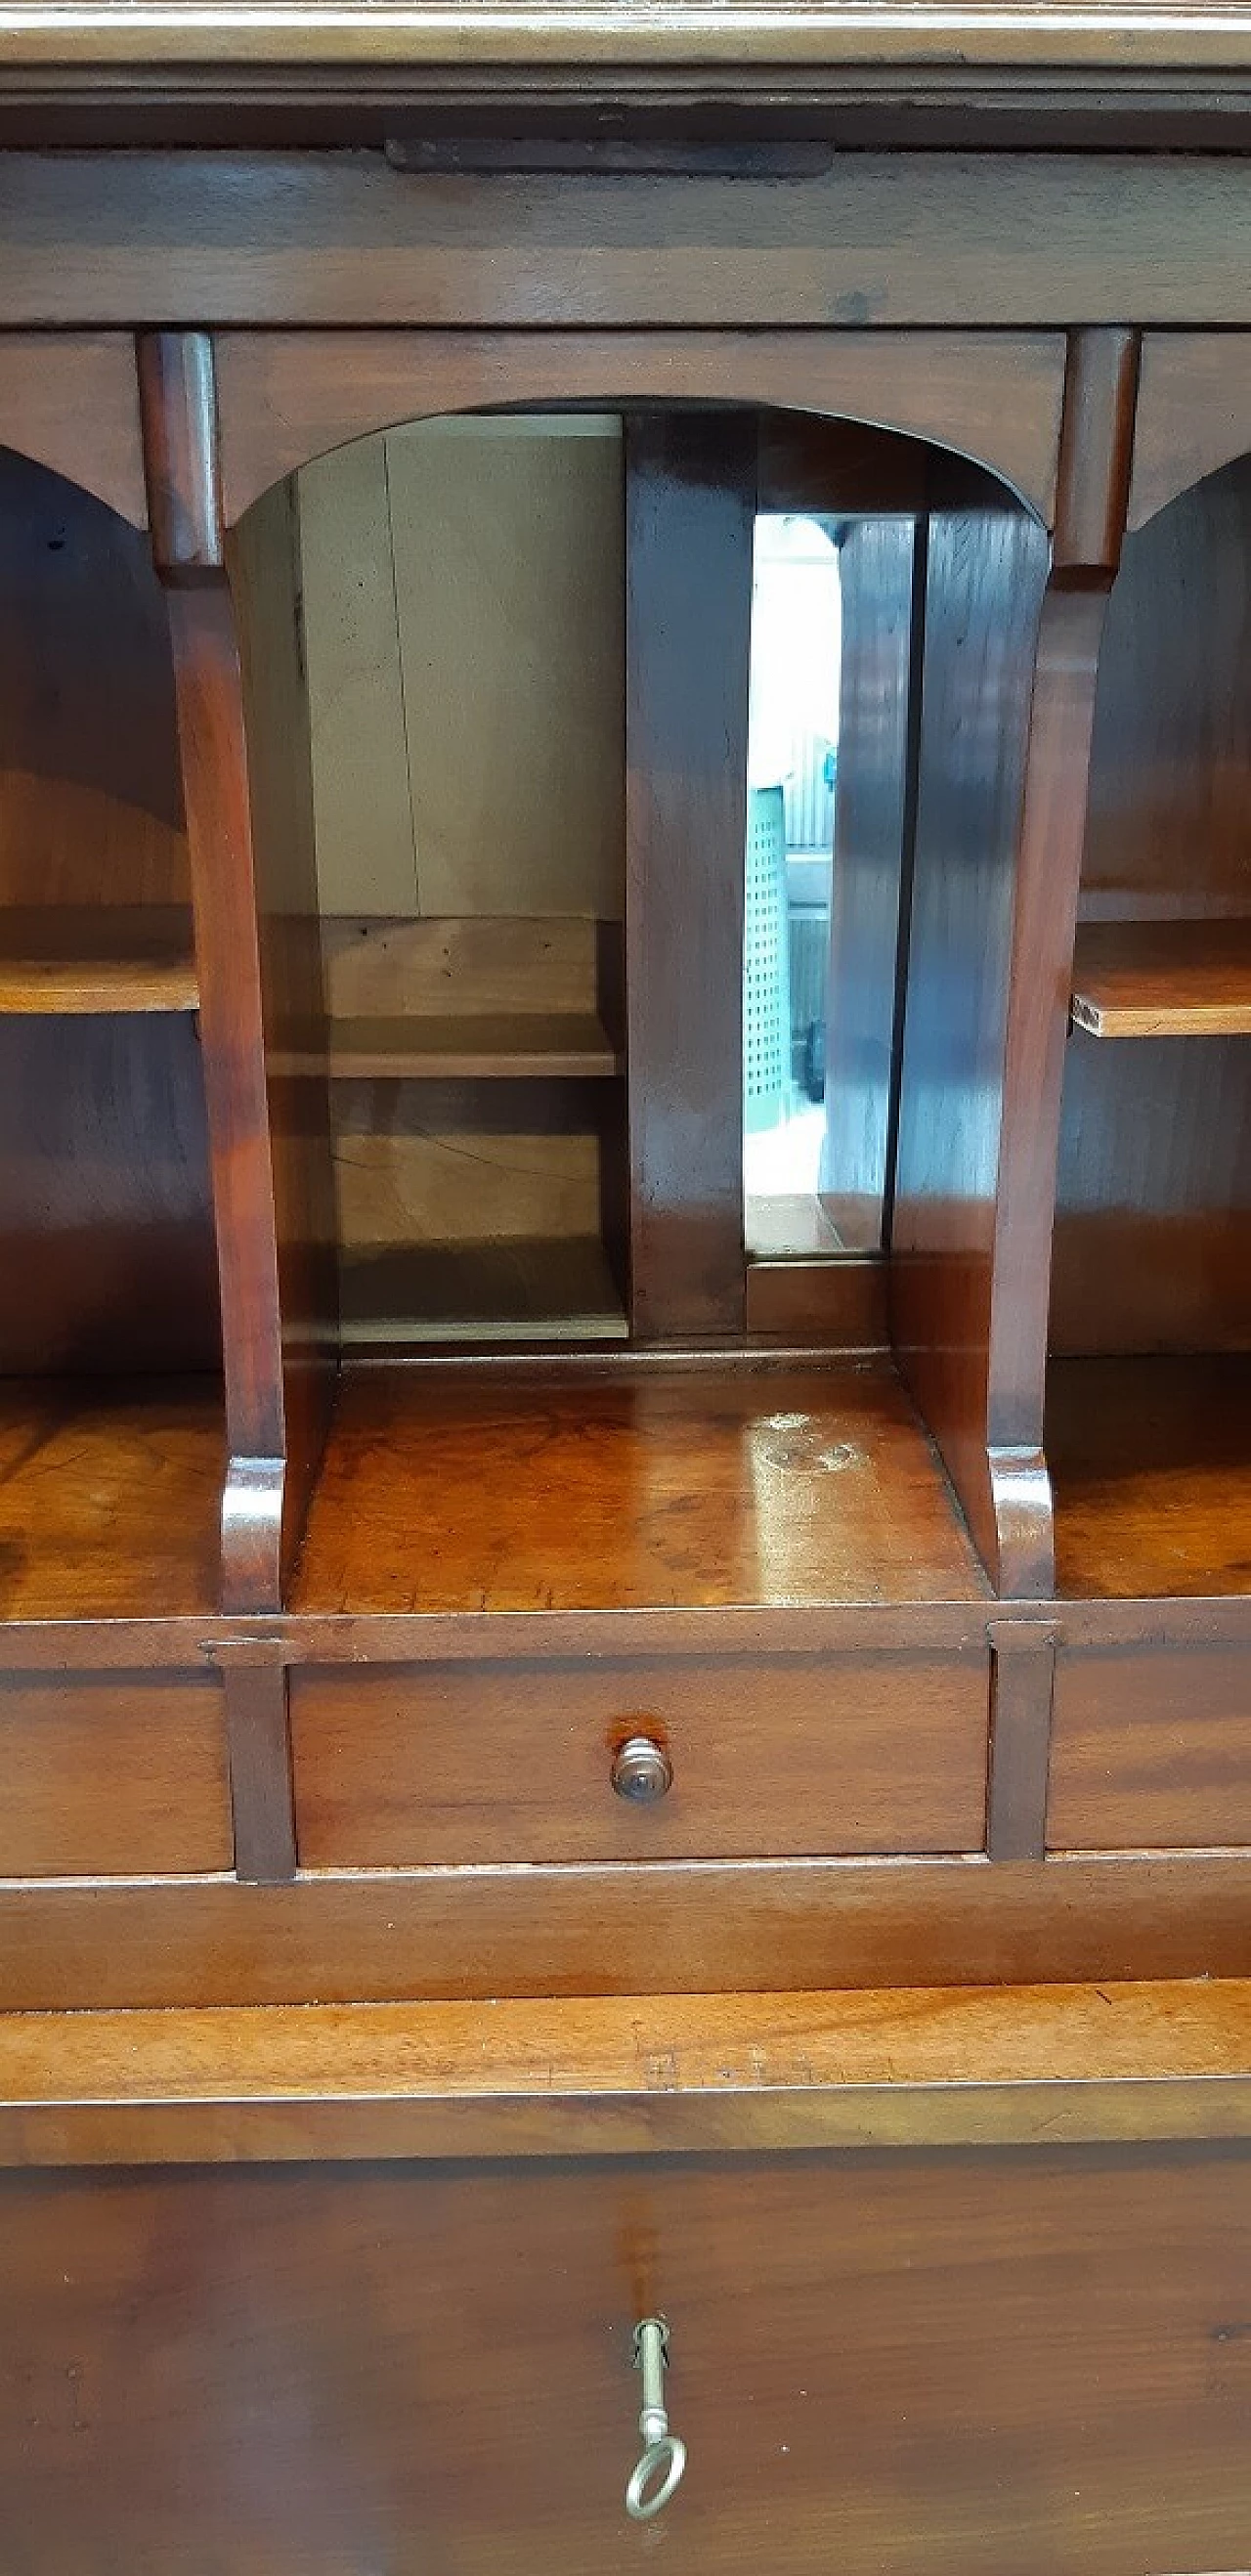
1041,2065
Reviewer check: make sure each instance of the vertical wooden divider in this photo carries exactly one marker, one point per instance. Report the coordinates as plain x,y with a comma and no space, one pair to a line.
690,517
974,1203
255,926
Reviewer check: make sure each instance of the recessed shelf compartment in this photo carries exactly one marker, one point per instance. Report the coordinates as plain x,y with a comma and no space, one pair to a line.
1151,1464
92,961
1161,979
619,1486
110,1497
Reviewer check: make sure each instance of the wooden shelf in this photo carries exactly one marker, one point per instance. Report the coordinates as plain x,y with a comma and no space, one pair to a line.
110,1497
92,961
506,1490
1163,979
497,1047
510,1290
654,2074
1151,1464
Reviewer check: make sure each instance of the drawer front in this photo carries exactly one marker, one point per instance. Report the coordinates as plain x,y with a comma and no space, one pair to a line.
396,1766
901,2364
112,1775
1150,1750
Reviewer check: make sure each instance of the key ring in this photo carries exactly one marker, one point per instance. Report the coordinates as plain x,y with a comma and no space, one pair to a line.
664,2454
665,2458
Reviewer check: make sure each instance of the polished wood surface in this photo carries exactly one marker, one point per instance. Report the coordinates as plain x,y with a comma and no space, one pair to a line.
1022,1684
174,35
1151,1459
986,567
70,401
398,1768
1194,415
690,505
674,1927
881,569
109,1496
966,2067
156,1737
884,240
288,396
453,1491
436,2363
111,958
1154,979
1150,1750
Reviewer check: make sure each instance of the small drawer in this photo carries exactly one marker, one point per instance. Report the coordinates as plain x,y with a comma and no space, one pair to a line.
112,1775
1150,1750
723,1757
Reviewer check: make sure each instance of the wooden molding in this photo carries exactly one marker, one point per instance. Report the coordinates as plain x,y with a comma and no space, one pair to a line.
629,2076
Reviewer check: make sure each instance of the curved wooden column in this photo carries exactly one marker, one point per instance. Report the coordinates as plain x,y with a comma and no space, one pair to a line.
255,921
1012,650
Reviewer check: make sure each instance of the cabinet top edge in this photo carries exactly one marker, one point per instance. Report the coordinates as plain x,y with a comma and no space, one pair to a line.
747,37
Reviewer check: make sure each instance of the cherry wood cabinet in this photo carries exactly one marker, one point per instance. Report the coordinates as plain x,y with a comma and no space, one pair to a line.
574,1751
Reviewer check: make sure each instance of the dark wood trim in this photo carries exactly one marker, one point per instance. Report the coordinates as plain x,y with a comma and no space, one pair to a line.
219,833
71,401
1096,448
690,511
178,398
254,1681
1022,1680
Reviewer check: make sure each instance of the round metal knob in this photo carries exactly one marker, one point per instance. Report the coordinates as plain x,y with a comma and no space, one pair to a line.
641,1771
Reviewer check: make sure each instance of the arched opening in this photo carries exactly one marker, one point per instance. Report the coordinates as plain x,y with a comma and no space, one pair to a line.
527,638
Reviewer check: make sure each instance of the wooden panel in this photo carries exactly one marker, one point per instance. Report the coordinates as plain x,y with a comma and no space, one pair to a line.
690,504
986,569
397,1768
300,1215
629,2074
91,809
366,852
1163,979
112,1776
882,581
288,396
882,238
509,587
72,402
1194,413
1151,1750
1079,41
658,1487
1166,829
105,1216
289,2369
109,1498
1151,1460
595,1928
389,969
1153,1230
1153,1224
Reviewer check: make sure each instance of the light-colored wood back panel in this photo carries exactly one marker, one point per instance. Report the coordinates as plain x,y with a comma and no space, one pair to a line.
463,588
378,969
